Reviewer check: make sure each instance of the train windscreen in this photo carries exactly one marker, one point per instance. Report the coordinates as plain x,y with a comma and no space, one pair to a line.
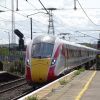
42,50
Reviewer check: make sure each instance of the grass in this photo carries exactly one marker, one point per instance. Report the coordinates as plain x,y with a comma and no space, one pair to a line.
63,82
79,71
82,69
4,51
32,98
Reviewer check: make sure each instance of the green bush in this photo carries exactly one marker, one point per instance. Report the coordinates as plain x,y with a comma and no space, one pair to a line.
32,98
4,51
63,82
79,71
82,69
12,69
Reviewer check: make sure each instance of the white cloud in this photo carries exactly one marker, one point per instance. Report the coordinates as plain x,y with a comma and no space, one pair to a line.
65,20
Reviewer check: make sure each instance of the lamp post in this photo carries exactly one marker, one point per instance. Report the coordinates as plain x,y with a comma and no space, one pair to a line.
31,21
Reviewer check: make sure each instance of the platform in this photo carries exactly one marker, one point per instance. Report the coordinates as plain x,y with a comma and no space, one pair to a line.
93,92
85,86
1,72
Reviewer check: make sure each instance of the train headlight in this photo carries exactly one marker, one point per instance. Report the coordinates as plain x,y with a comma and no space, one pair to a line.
53,62
27,62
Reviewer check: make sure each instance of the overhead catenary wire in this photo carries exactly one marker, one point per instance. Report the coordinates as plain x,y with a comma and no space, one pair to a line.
19,13
5,20
62,9
36,13
22,15
86,14
63,25
5,29
36,23
44,7
80,32
40,3
14,11
47,11
87,35
30,4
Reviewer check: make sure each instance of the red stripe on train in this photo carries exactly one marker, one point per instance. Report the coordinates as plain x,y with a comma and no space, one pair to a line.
28,73
51,74
57,52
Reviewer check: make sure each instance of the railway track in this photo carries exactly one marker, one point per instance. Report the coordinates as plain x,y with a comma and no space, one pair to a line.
25,93
11,85
14,89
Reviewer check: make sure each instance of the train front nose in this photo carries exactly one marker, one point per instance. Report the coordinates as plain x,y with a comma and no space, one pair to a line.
40,69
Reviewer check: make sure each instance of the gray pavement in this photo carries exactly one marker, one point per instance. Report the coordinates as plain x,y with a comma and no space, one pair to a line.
73,88
93,92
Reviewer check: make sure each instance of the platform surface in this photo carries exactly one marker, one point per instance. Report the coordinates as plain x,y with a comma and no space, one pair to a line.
1,72
93,92
71,90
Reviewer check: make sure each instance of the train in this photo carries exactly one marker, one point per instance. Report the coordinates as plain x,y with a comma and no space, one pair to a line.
47,57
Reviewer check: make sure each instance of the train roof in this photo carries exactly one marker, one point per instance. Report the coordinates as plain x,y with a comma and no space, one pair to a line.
44,38
76,44
52,39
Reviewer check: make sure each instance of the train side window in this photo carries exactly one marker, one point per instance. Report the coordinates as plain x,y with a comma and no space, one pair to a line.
65,51
69,53
80,53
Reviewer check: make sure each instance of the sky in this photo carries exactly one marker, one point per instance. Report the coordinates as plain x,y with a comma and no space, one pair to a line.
83,24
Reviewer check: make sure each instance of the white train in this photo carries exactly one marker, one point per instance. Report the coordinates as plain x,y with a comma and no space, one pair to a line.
47,57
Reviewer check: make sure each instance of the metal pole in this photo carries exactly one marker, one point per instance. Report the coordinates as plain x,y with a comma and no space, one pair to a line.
51,24
17,5
9,42
44,7
75,5
31,27
13,37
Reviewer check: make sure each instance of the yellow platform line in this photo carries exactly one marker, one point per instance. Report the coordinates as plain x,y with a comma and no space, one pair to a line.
85,87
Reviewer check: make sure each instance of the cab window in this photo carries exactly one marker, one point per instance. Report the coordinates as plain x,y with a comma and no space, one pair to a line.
42,50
